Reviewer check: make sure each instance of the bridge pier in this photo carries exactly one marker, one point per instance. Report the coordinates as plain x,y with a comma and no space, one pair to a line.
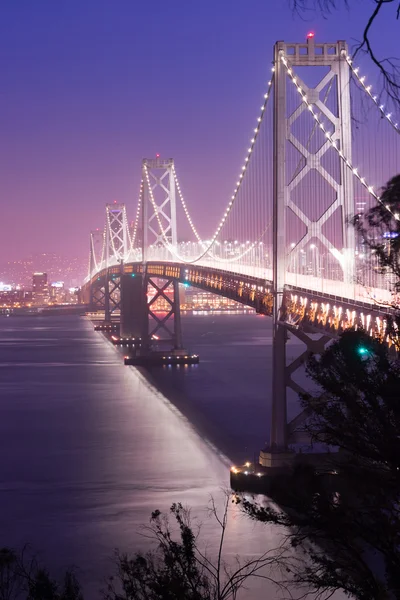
153,337
178,345
279,456
133,323
107,313
96,296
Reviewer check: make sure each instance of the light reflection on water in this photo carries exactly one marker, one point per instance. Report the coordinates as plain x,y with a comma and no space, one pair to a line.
91,450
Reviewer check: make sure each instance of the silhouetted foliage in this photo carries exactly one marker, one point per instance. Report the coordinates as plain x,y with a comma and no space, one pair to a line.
179,570
176,569
380,230
345,521
388,67
22,577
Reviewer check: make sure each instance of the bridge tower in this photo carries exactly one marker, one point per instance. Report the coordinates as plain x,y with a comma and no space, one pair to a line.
117,233
96,257
336,75
116,250
159,206
159,229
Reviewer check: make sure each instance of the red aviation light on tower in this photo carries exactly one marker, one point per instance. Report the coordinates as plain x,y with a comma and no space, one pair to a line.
310,35
157,156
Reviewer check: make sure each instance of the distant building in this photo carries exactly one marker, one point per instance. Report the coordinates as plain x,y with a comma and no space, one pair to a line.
57,292
40,289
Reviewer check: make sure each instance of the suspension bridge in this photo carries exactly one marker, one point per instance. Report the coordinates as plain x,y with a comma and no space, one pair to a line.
320,149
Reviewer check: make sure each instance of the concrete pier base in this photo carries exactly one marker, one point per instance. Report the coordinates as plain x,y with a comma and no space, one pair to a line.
275,460
162,358
133,307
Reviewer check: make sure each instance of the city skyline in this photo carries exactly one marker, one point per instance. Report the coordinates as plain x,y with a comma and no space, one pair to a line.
73,111
70,270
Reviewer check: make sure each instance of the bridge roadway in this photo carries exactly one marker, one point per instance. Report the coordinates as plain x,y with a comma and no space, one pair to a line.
309,302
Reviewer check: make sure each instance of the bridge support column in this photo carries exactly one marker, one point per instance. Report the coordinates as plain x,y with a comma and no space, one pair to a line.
133,322
177,317
97,296
278,455
157,322
107,312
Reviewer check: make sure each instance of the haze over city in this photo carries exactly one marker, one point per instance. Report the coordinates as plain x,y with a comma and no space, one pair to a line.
90,88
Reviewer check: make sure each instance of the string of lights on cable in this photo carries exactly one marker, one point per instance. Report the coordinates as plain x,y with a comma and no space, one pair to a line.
185,208
203,243
111,238
231,202
329,137
138,209
368,90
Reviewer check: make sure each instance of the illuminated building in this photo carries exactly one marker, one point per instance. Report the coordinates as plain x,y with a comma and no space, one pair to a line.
10,296
57,292
195,299
40,290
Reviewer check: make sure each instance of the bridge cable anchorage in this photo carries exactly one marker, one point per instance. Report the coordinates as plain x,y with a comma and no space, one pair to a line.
332,141
138,210
230,203
367,89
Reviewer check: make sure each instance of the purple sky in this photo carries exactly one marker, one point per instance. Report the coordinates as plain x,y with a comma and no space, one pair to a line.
89,87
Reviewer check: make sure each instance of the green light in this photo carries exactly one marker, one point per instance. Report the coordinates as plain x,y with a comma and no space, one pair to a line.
363,351
133,275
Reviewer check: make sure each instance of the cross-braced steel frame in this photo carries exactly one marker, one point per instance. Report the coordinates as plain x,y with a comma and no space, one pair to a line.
159,201
167,325
299,55
97,296
116,233
112,296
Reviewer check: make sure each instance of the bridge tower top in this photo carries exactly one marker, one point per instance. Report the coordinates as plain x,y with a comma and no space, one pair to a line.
311,53
159,203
